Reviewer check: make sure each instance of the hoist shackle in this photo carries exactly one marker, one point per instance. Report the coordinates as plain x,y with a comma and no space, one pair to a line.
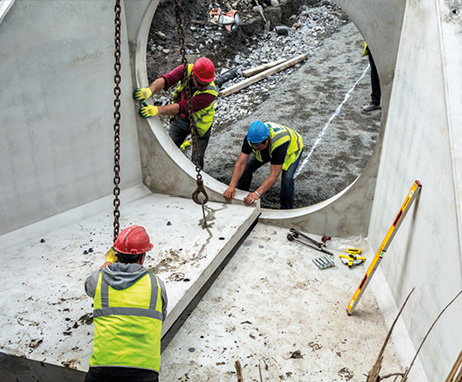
200,189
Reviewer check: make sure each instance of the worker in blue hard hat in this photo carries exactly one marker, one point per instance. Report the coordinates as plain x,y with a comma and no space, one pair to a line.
267,142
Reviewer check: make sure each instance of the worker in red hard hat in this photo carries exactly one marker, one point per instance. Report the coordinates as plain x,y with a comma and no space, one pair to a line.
203,94
129,306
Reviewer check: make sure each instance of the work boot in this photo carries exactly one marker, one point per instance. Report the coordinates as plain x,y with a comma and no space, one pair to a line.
371,106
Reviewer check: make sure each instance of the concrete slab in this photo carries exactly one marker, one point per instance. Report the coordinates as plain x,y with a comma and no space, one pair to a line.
47,316
272,307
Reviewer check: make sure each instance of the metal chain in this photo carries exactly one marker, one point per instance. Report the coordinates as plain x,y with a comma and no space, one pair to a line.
117,78
200,184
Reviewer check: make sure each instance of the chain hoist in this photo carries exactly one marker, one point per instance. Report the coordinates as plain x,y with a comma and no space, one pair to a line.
117,78
200,184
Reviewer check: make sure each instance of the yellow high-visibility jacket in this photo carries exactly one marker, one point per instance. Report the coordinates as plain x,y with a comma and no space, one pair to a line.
278,135
203,118
128,321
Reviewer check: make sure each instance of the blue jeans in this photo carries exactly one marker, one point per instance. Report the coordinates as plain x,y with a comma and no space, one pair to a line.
179,130
286,195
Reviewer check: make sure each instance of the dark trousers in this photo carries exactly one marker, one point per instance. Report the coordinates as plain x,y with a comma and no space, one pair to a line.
120,374
179,130
376,94
286,195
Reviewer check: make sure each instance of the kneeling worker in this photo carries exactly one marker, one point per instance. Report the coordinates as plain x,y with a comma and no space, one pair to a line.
267,142
129,305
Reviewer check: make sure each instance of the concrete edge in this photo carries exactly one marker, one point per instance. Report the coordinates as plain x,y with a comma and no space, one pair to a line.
212,267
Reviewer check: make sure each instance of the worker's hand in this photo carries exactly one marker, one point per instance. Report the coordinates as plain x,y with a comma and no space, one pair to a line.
142,94
229,193
105,264
147,111
185,144
249,199
111,256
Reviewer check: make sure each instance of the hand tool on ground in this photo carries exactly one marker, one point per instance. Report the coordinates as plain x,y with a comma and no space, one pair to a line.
292,237
351,259
410,198
353,251
295,235
323,262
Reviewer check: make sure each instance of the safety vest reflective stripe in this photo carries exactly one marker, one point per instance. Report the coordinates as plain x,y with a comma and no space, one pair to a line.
278,135
128,324
105,292
120,311
203,118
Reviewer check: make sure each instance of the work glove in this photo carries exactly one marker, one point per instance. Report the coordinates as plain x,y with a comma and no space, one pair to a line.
142,94
111,256
147,111
185,144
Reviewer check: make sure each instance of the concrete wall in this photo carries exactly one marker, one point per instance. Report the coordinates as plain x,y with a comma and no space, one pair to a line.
421,142
56,136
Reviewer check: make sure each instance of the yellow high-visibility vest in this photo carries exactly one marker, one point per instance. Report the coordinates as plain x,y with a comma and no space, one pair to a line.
278,135
128,324
203,118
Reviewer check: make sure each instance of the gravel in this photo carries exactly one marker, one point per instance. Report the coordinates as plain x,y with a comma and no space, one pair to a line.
321,98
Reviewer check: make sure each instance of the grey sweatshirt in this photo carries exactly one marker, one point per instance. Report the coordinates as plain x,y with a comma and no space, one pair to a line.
121,276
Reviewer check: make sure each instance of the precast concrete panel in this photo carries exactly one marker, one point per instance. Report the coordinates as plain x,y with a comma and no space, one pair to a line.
56,141
418,145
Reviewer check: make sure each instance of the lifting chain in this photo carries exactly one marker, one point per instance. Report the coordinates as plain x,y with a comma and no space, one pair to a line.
200,184
117,66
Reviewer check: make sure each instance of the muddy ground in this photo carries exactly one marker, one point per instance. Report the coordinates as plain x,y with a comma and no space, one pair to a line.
321,98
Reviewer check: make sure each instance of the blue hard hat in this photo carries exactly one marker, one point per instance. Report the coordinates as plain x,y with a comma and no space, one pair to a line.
257,133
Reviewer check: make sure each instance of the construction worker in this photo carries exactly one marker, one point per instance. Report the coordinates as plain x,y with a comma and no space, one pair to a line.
267,142
376,95
129,305
203,94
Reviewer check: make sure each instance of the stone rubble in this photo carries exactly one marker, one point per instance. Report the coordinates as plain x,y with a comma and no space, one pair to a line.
305,96
309,27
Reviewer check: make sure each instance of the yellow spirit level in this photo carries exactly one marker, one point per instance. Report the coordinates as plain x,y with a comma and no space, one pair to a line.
411,196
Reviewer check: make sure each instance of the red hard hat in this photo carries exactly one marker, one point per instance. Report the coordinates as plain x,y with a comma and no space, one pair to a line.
133,240
204,70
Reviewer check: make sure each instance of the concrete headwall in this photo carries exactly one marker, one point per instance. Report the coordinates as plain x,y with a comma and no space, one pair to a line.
421,142
56,136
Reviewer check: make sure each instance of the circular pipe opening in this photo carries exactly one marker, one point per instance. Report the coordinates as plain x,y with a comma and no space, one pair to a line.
331,91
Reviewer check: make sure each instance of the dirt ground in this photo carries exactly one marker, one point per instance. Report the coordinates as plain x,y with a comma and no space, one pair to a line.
321,98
